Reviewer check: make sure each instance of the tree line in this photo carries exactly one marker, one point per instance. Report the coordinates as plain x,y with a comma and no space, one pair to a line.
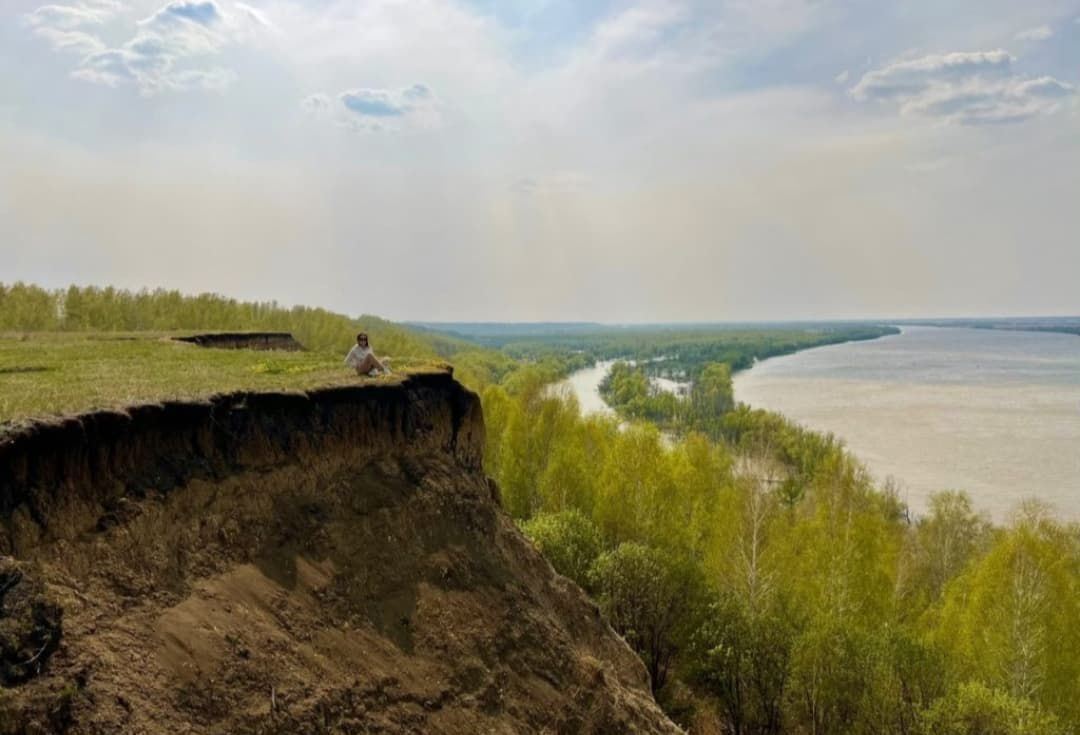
683,349
30,308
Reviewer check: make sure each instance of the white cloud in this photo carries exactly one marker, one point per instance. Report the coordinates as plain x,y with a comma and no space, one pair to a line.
62,26
77,42
650,57
250,21
368,109
182,28
382,103
970,88
182,13
1040,33
977,102
67,17
636,29
842,77
169,51
217,79
911,77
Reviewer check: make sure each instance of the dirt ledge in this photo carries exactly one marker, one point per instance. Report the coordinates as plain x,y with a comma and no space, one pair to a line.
53,468
245,341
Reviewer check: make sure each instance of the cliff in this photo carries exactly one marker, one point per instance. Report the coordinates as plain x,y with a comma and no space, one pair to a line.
327,562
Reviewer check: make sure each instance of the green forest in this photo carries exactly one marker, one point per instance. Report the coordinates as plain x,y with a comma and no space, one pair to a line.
765,580
767,583
770,587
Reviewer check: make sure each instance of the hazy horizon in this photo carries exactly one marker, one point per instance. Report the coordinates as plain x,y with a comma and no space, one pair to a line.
433,322
793,320
655,161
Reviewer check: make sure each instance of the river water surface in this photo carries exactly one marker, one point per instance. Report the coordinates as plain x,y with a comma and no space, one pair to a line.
584,384
994,413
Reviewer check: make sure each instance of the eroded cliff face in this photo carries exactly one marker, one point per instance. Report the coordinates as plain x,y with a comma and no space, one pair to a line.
329,562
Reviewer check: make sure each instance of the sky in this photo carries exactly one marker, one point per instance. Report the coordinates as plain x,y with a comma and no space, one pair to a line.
516,160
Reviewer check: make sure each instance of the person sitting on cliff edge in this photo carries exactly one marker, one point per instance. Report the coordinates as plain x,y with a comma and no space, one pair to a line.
363,360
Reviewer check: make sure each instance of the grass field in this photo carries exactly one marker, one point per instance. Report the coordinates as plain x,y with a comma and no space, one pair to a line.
49,374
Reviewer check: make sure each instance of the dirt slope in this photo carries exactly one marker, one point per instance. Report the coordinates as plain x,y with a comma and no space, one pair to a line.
330,562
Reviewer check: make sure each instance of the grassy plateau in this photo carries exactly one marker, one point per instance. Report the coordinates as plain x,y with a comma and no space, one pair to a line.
50,374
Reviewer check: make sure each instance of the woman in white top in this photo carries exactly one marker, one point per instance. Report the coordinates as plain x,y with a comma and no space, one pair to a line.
362,359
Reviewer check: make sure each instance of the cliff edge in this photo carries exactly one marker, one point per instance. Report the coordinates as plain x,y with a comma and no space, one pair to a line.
325,562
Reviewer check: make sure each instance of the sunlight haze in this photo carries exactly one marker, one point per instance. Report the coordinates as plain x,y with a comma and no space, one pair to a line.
531,160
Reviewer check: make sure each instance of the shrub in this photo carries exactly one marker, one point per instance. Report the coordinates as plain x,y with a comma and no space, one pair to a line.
569,540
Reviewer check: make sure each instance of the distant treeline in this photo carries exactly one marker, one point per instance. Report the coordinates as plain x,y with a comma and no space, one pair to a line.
687,350
1059,324
29,308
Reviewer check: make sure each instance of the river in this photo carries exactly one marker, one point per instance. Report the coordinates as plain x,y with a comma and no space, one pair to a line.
994,413
585,385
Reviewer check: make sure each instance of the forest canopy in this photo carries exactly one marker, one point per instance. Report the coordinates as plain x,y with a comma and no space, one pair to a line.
767,582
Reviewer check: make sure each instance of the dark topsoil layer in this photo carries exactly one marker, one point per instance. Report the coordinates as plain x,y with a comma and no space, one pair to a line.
245,341
324,562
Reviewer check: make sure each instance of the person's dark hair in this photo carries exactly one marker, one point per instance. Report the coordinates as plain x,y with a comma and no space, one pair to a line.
362,335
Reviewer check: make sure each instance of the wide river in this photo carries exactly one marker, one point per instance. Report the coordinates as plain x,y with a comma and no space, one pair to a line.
994,413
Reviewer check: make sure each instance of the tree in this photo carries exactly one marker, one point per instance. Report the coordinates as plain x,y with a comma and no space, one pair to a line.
975,709
568,480
635,488
742,658
945,541
711,397
651,598
1010,619
27,308
829,674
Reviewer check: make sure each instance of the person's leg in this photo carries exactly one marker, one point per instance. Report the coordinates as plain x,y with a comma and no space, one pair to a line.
366,365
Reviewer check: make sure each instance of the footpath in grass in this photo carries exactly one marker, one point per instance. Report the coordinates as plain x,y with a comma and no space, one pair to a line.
50,374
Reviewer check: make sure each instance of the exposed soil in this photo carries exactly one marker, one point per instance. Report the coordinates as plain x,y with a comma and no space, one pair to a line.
246,341
329,562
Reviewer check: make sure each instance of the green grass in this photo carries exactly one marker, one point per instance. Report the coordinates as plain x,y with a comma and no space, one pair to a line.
50,374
